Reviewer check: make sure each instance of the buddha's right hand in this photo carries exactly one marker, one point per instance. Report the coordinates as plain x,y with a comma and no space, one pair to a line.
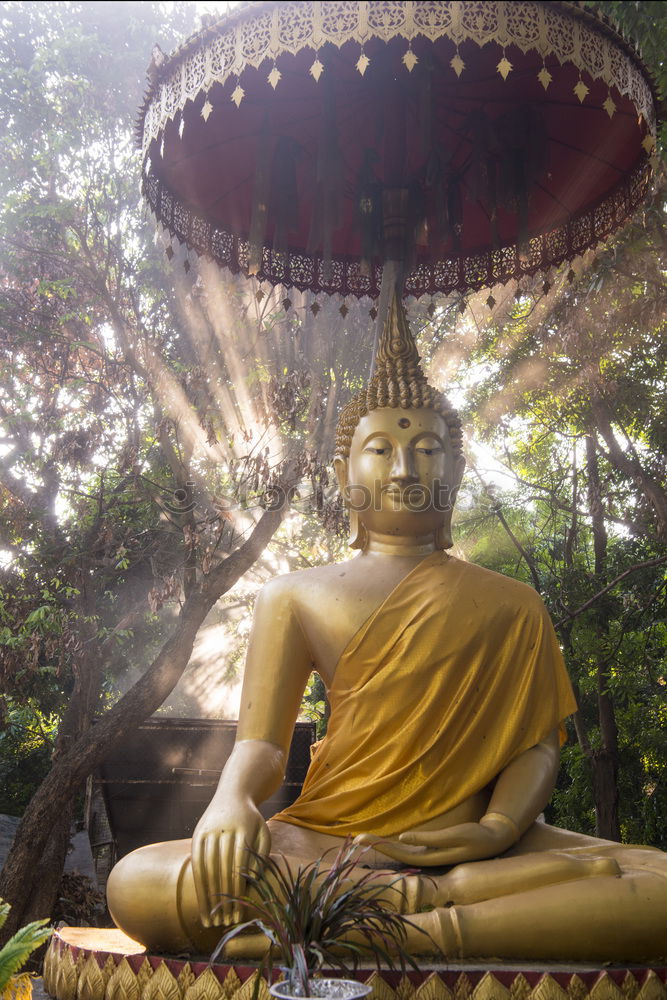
220,852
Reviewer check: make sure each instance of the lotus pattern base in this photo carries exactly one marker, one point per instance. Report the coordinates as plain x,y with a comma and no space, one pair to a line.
87,963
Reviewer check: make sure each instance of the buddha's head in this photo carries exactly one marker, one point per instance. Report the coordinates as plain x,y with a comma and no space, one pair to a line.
398,457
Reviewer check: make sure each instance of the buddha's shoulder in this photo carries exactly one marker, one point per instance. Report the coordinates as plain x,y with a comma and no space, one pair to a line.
302,583
487,583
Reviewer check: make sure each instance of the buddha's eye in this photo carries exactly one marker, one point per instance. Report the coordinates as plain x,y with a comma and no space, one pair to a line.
433,449
378,447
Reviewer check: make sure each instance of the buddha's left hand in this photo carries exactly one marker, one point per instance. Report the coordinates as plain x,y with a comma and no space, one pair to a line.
464,842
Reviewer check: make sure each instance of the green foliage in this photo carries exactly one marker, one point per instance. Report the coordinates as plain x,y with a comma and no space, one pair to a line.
15,953
26,745
566,390
314,706
645,22
125,383
617,646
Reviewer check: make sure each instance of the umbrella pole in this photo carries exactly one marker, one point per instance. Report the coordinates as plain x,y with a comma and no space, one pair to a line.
394,212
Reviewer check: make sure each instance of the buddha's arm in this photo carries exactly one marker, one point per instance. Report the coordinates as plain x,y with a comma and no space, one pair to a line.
520,794
277,667
525,786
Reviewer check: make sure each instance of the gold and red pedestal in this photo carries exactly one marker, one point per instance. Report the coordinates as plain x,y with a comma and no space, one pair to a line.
87,963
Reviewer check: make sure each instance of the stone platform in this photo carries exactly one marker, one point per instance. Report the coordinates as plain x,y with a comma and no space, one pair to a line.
87,963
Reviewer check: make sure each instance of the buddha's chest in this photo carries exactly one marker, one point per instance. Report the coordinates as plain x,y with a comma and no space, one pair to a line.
336,607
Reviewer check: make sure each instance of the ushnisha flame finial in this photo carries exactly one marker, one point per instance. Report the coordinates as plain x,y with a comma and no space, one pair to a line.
398,381
397,342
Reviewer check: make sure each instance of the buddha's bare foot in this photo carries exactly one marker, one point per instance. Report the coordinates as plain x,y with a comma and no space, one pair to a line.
411,893
477,881
603,866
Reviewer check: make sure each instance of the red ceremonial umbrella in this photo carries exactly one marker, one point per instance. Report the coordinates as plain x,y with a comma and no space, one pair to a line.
471,142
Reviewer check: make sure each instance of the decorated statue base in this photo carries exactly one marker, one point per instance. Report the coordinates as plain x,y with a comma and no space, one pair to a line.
88,963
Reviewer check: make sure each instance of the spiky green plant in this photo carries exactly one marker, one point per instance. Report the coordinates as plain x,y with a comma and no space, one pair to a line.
16,952
322,914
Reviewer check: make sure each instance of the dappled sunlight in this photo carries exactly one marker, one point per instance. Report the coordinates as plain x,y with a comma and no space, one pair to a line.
251,339
233,350
529,374
176,405
211,685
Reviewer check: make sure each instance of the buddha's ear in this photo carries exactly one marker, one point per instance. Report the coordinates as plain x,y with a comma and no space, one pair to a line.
358,537
459,469
340,470
443,536
457,476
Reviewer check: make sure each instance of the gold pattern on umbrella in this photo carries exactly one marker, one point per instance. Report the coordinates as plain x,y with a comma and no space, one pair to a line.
470,142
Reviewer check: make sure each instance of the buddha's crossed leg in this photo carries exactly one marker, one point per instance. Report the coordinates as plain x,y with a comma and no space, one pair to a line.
549,904
552,907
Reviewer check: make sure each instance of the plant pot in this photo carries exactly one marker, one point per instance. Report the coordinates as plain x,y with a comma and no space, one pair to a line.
331,989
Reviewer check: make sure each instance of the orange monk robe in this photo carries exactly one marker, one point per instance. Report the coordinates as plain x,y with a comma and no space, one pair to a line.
452,677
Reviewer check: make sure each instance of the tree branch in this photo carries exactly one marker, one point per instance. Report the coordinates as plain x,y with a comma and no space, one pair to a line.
497,510
658,561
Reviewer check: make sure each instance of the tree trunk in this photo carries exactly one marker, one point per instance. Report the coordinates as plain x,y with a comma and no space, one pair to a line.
20,882
604,762
605,772
77,720
629,464
49,868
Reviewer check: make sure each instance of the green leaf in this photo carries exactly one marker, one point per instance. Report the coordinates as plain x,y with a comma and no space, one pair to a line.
19,948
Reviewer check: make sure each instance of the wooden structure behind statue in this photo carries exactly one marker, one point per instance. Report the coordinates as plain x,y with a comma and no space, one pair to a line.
448,695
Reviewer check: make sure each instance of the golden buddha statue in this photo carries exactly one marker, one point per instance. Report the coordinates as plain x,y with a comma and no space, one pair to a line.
448,694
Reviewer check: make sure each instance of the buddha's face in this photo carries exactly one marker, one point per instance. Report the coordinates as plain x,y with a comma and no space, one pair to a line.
401,476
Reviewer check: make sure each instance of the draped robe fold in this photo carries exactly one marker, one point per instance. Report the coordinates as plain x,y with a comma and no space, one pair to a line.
452,677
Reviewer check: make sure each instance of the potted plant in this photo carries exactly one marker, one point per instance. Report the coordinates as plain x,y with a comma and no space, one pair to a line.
322,914
15,953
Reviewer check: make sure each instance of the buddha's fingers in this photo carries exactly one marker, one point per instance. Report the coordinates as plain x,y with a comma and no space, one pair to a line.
472,835
429,858
392,849
264,841
432,839
425,857
463,842
212,868
370,840
227,881
253,854
471,838
199,875
263,848
238,882
197,866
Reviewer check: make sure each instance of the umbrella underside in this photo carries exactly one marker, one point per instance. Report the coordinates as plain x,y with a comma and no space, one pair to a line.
489,161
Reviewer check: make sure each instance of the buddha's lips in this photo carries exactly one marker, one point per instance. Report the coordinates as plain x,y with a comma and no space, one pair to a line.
412,488
412,496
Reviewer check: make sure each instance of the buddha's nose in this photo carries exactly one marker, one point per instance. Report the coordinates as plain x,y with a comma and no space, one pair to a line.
403,469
